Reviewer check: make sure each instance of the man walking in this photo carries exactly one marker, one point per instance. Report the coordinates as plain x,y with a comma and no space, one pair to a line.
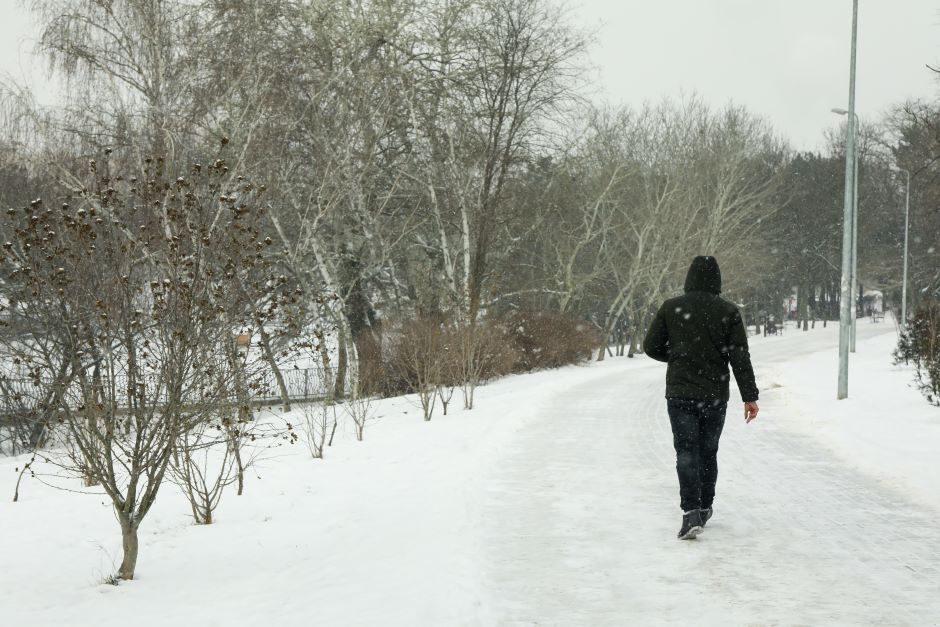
698,334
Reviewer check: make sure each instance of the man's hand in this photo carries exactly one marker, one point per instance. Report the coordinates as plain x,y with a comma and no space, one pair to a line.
750,411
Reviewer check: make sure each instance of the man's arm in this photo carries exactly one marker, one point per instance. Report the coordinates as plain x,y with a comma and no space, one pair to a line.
656,343
740,359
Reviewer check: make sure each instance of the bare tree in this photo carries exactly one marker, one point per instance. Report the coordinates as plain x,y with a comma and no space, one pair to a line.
202,469
129,66
500,71
360,410
480,352
320,421
134,274
418,356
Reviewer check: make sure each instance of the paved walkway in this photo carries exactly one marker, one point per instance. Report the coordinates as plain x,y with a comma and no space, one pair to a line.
582,511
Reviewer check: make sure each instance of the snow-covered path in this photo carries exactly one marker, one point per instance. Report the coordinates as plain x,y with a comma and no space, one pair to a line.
582,507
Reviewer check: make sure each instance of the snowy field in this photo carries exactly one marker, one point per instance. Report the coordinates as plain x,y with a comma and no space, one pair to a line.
555,502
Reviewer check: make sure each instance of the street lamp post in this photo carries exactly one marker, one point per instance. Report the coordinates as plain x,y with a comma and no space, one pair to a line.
907,214
854,268
855,244
845,310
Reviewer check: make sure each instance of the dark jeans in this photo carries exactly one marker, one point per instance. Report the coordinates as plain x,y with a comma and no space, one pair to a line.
696,429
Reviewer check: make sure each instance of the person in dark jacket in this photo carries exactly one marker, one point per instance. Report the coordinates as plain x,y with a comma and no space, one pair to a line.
699,334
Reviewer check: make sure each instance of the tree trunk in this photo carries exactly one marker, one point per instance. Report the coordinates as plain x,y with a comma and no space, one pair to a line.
37,429
243,413
272,363
327,376
802,305
860,300
129,541
836,291
633,339
605,340
333,430
239,466
89,479
813,303
339,389
636,339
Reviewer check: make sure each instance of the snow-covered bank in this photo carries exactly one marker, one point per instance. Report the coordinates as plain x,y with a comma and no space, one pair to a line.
885,428
381,532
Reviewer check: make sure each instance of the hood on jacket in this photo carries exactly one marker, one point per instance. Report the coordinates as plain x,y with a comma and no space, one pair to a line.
704,276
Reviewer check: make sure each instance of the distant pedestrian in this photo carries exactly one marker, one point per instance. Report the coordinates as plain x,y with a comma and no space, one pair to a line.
699,334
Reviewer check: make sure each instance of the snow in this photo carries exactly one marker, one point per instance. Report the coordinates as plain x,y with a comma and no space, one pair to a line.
885,427
554,502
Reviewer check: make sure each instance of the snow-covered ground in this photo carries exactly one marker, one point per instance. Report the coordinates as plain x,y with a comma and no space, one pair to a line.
553,503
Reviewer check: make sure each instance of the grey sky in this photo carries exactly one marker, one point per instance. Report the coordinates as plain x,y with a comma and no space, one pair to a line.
785,59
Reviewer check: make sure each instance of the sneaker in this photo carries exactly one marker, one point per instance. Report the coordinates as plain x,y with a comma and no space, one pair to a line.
706,514
691,525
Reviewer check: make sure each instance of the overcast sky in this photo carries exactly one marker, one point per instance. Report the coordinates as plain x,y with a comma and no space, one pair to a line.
787,60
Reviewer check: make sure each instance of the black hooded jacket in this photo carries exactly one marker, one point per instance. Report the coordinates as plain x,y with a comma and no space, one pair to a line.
698,334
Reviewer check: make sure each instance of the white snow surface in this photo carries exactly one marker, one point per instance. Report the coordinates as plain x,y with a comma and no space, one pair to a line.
554,502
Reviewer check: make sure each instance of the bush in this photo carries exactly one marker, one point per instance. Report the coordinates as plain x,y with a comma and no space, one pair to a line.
373,372
550,340
477,353
416,356
920,344
430,358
